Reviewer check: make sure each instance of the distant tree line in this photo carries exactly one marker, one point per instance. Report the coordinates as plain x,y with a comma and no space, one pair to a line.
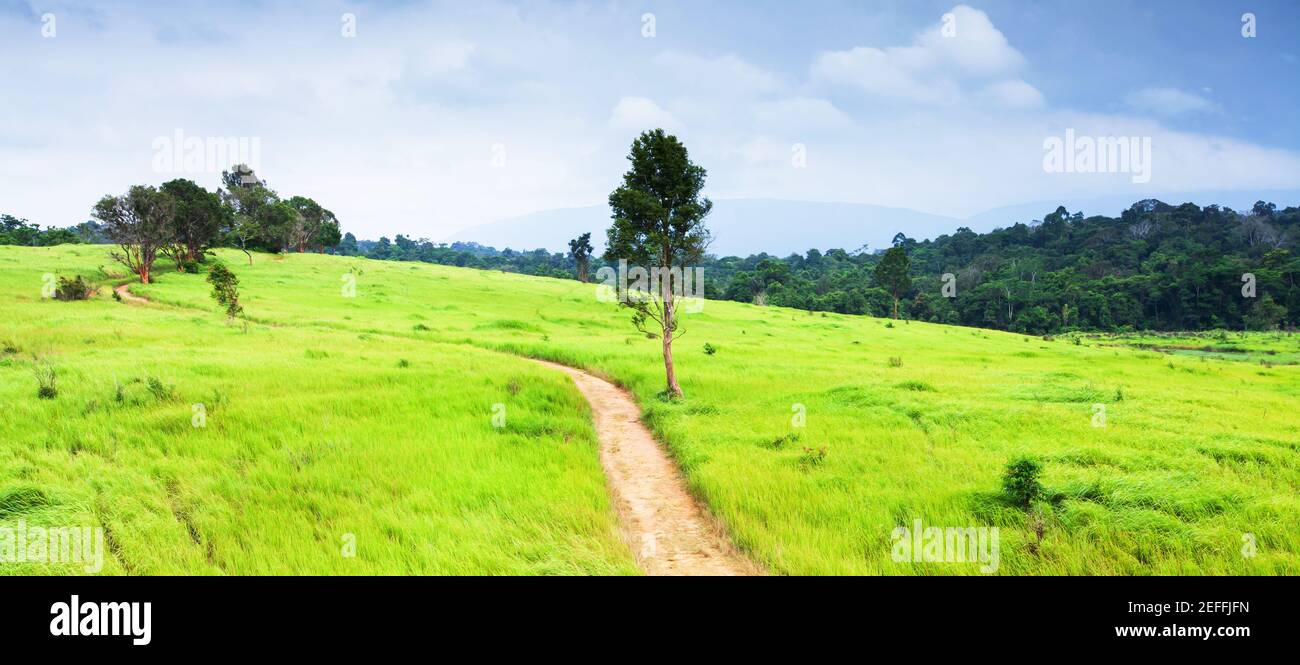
181,221
15,231
1155,267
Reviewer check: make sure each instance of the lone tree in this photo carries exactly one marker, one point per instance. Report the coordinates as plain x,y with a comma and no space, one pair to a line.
140,222
199,218
892,274
225,290
658,226
580,248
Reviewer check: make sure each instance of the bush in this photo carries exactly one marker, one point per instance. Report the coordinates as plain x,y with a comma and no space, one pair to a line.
812,457
46,379
74,289
1020,481
160,391
780,441
225,290
895,361
710,349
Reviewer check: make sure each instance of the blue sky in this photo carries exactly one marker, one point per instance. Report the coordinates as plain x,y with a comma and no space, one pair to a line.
439,116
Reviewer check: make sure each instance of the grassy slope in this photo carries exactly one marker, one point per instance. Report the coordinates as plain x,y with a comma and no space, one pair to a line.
311,434
1196,452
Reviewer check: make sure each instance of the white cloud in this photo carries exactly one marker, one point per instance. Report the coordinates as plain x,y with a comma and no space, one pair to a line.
936,67
1013,94
1169,102
394,130
800,114
726,72
639,114
444,57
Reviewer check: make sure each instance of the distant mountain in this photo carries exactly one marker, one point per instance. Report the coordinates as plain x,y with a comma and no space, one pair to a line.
749,226
739,226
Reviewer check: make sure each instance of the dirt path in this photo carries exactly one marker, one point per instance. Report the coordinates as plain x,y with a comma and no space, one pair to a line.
668,532
124,291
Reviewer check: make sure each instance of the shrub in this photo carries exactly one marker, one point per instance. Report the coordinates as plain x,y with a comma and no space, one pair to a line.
710,349
812,457
9,347
74,289
895,361
225,290
46,379
160,391
780,441
403,363
1020,481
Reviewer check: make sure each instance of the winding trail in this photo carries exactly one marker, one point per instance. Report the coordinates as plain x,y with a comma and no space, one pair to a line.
124,291
666,529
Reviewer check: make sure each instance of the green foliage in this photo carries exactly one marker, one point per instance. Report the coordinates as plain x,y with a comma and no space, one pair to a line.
580,249
225,290
141,223
74,289
197,223
46,379
15,231
658,224
813,457
710,349
1020,481
893,273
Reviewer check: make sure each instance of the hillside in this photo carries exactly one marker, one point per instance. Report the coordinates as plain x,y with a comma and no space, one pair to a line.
323,430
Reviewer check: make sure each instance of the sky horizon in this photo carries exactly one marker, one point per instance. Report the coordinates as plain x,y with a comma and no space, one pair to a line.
428,118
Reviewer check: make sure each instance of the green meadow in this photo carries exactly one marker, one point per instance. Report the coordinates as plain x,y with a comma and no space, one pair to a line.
357,405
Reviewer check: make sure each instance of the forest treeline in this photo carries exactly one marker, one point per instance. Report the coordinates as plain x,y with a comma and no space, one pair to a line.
1155,267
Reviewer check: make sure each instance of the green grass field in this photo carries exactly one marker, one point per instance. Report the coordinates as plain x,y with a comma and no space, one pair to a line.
318,431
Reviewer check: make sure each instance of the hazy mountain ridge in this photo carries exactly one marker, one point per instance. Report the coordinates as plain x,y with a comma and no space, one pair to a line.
742,227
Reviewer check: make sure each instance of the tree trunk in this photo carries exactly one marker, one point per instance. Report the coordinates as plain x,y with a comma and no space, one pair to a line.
144,273
674,390
895,309
582,271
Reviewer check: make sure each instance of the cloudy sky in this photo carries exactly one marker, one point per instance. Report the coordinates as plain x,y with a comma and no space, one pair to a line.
438,116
